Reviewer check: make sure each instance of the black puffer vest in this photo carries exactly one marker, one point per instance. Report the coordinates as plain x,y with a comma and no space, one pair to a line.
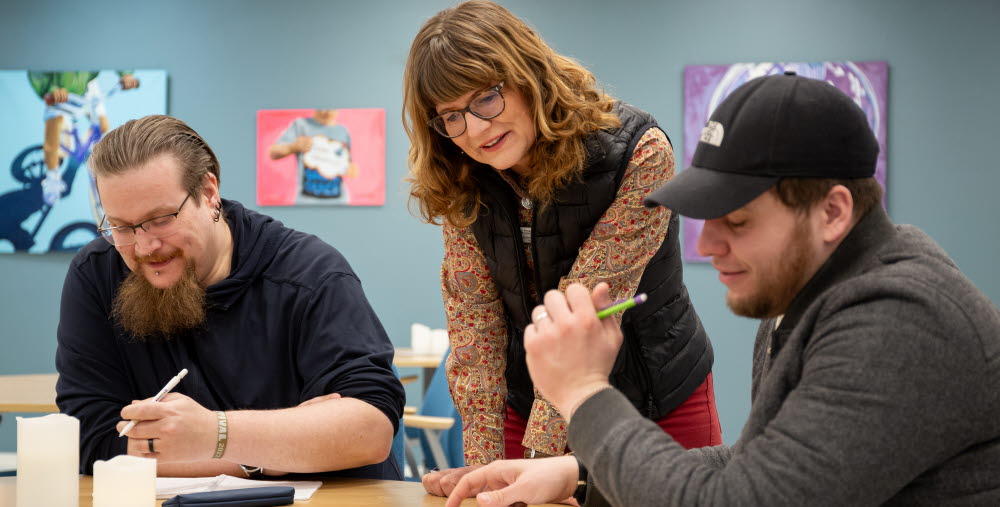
666,354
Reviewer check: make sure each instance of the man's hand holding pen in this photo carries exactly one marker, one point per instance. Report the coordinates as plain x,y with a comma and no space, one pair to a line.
174,429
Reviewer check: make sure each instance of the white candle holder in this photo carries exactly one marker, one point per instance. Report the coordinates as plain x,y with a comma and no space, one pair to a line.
48,461
125,481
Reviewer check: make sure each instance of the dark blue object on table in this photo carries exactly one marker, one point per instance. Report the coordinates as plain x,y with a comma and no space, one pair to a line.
244,497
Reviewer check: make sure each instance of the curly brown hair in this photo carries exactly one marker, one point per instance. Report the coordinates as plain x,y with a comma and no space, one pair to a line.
475,45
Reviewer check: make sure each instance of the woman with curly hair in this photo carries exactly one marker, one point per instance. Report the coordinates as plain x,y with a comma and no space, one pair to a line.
537,177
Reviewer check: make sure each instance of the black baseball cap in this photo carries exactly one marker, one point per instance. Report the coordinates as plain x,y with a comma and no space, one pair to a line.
773,127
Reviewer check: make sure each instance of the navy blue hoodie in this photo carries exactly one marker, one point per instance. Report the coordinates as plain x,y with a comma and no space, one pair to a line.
289,323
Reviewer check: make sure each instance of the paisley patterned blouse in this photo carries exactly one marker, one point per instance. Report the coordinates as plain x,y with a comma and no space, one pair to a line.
617,251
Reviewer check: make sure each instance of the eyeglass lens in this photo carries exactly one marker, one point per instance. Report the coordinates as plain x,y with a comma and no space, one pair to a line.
487,105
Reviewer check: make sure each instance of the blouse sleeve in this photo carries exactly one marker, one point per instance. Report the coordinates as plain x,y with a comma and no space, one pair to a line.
477,330
617,251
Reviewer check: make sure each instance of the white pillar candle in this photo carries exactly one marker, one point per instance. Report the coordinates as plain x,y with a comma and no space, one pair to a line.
125,481
420,338
48,461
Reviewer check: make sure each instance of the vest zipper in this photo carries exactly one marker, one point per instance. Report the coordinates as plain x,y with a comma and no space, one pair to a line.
647,383
534,254
515,226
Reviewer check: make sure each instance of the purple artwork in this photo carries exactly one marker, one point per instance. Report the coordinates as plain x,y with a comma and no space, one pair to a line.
705,86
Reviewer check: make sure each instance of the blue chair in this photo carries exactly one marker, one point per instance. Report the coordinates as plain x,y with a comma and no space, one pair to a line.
436,426
399,440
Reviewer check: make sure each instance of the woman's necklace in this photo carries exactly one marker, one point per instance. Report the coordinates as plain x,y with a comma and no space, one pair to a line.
526,202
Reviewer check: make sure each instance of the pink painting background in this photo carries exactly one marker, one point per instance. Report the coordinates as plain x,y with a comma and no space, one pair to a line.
276,179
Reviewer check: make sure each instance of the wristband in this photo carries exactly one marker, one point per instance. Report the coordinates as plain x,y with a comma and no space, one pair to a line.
220,445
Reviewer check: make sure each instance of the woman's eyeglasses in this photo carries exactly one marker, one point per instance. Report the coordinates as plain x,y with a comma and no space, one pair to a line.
486,105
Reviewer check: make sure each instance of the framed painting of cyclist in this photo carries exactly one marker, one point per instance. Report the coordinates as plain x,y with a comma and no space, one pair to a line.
50,122
321,157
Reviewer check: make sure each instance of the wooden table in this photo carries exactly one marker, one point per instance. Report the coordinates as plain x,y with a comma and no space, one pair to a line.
37,393
28,393
339,492
406,358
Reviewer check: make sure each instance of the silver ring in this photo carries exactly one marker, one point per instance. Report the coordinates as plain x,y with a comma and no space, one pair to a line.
151,449
541,315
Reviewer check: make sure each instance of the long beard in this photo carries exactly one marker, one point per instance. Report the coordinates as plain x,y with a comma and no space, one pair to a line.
147,312
780,282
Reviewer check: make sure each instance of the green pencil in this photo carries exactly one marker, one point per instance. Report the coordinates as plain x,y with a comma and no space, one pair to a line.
621,306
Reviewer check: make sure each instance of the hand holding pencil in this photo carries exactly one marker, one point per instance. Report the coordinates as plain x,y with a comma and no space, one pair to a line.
571,346
159,396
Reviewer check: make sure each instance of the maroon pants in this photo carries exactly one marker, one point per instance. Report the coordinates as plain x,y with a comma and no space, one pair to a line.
695,423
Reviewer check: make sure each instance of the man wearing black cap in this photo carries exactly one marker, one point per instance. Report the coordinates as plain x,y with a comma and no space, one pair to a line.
876,370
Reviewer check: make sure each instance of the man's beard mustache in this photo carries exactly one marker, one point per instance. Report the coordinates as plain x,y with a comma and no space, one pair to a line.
147,312
781,282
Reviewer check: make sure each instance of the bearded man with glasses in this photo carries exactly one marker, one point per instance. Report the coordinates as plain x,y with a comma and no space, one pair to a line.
256,312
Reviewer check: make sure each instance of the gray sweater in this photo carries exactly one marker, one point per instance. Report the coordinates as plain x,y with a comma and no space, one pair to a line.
880,386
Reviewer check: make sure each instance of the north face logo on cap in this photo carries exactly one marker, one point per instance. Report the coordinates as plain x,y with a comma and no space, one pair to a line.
712,133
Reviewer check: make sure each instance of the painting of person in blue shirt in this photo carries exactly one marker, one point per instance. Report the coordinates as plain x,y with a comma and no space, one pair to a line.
322,148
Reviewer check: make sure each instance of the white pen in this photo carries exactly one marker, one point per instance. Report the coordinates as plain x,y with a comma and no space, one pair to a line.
163,392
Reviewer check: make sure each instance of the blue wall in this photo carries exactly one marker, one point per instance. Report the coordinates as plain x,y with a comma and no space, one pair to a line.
226,59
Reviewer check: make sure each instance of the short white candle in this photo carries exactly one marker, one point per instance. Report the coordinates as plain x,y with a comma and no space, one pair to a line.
125,481
48,461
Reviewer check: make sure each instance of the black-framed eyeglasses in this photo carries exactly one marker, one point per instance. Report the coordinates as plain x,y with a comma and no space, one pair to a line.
486,105
158,227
